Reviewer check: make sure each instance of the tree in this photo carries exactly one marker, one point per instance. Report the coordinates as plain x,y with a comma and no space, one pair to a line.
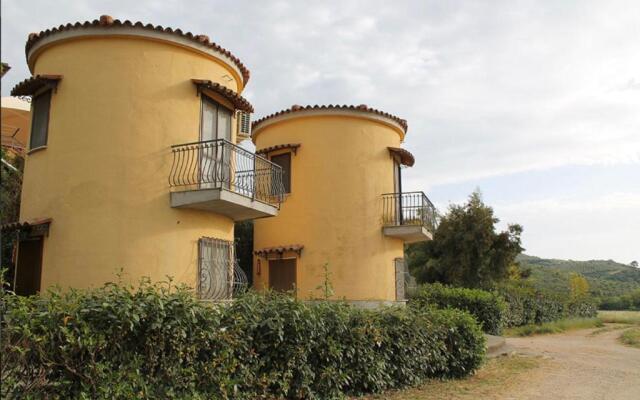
11,176
11,171
466,250
634,264
579,286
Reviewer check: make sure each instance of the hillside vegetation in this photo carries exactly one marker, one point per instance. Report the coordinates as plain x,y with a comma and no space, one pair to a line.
606,278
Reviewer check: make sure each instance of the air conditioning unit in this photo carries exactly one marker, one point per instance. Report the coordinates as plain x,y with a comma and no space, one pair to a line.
244,124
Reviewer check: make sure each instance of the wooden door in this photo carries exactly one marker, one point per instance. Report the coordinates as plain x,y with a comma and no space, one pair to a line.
29,266
282,274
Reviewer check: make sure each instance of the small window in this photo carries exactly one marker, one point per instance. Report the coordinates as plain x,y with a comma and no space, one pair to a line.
284,161
40,106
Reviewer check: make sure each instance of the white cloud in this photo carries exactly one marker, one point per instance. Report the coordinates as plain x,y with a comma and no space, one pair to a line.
597,228
488,88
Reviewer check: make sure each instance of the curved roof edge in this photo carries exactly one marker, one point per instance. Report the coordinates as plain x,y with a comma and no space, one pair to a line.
106,23
362,109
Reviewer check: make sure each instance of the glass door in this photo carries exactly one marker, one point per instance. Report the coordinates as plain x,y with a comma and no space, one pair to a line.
215,154
208,149
224,157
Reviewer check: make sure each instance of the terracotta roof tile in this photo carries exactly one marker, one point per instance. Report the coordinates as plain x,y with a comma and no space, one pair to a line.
406,158
267,150
24,225
31,85
279,249
107,20
238,101
361,107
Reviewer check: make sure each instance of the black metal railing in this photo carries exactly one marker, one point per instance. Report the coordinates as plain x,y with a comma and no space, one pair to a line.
220,164
411,208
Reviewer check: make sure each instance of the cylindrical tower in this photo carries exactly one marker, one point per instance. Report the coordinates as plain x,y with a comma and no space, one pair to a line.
111,99
339,163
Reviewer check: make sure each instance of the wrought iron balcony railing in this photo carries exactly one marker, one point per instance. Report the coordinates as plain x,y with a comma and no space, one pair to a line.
411,208
220,164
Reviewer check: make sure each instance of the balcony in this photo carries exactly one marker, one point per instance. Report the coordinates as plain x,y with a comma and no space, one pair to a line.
221,177
409,216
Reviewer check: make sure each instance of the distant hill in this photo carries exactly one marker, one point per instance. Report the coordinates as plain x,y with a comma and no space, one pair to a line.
606,277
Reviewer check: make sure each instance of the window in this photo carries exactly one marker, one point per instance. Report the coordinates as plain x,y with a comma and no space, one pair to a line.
219,276
40,122
401,279
284,161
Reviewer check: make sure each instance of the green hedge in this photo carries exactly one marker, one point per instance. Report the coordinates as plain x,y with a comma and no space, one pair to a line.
487,307
156,341
527,306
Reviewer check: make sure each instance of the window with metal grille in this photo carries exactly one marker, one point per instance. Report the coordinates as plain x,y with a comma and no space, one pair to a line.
40,121
219,275
402,275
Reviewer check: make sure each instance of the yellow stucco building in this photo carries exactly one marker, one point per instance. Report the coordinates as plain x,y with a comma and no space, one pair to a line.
133,164
345,212
132,161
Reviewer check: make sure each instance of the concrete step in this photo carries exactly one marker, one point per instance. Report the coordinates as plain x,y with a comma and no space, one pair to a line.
496,346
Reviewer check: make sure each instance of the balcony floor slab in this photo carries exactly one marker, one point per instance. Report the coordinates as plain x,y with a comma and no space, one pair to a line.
224,202
408,233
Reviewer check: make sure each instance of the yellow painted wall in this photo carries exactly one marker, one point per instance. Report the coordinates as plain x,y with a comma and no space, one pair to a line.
121,104
335,207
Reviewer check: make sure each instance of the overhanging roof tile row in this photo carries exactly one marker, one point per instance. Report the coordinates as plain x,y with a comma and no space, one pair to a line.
279,249
30,86
238,101
107,21
267,150
361,107
406,158
12,226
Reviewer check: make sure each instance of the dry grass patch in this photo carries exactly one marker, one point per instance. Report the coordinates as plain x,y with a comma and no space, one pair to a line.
620,317
609,328
631,337
495,377
560,326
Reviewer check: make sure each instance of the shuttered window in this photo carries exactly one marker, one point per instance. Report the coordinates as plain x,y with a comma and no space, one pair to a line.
284,160
40,106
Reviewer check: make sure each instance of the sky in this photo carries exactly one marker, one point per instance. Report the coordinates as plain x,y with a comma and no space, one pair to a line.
536,103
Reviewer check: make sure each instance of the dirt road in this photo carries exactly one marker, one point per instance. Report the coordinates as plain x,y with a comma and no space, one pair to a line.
581,366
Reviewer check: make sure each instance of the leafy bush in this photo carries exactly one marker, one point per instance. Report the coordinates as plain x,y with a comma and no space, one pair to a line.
487,307
157,341
527,306
583,308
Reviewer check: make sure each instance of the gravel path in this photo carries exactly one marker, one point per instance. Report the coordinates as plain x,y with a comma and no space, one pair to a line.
583,366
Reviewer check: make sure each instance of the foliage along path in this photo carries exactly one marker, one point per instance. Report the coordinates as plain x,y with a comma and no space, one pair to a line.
583,365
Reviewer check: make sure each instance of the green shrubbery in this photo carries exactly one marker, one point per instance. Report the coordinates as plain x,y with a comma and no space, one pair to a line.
157,341
487,307
510,306
527,306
